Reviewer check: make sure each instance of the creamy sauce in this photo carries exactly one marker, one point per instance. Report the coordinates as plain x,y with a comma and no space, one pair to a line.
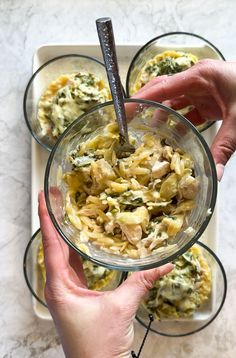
183,290
67,98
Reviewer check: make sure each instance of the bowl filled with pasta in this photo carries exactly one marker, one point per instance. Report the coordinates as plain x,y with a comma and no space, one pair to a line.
98,278
167,54
139,211
189,298
59,92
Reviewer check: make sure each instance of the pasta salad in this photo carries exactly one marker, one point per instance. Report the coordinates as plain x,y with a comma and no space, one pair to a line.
165,63
131,206
67,98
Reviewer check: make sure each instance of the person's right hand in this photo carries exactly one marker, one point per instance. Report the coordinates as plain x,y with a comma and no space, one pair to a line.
210,86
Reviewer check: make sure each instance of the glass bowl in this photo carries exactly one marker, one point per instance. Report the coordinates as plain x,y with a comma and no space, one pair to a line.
178,41
144,116
42,78
204,315
34,277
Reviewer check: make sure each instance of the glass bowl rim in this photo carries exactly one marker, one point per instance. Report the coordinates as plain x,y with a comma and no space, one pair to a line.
216,258
178,252
25,269
28,247
32,79
166,34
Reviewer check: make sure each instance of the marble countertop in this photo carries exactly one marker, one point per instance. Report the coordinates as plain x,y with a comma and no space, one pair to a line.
27,24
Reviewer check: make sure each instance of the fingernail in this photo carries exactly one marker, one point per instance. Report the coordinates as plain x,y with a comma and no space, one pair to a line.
220,171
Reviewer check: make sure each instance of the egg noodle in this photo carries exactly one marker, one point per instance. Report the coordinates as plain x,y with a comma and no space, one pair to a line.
131,206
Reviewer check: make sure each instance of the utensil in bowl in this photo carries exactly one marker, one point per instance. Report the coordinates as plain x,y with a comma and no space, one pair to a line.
107,42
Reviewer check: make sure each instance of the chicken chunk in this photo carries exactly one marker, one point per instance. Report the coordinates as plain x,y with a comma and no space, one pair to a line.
188,187
160,169
101,171
133,233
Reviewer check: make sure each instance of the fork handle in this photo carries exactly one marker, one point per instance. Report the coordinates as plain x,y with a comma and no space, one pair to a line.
107,42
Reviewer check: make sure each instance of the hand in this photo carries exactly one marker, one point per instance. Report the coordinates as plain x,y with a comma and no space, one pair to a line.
90,324
210,86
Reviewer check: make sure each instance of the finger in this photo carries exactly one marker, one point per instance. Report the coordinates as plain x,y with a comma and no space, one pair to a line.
169,87
186,108
178,103
152,91
138,284
159,117
160,89
151,83
77,265
57,201
194,117
55,254
224,145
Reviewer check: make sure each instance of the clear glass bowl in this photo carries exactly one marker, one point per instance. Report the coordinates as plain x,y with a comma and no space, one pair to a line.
48,72
179,41
206,313
142,115
33,274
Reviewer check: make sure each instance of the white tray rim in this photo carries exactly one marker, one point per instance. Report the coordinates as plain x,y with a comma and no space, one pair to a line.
35,147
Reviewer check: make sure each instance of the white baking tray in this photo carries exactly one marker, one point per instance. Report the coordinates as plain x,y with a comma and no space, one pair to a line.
39,155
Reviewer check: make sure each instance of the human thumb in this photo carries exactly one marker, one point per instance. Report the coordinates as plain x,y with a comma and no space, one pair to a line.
224,145
138,284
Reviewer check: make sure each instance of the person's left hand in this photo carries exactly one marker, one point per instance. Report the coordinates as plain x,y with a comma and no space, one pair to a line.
91,324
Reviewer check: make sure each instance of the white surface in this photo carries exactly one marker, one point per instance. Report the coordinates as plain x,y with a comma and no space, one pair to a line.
27,24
